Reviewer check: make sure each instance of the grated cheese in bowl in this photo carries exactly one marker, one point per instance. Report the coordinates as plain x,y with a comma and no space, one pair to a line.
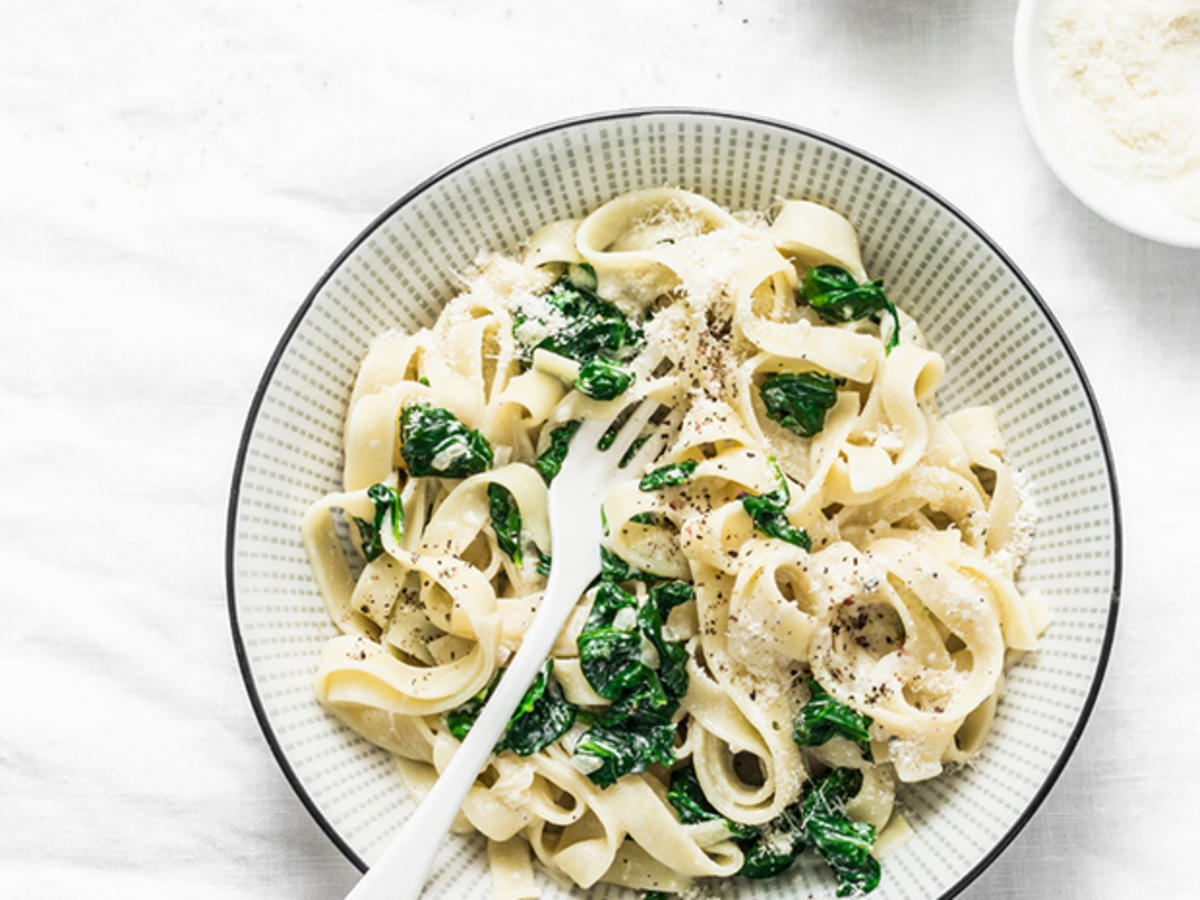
1127,75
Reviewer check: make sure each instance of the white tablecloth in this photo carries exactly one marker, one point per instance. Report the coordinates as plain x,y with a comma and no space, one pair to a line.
173,180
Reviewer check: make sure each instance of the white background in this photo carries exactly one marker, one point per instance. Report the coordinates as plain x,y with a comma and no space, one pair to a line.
172,182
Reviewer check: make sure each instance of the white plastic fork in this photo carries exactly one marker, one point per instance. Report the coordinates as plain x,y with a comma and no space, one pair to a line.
575,531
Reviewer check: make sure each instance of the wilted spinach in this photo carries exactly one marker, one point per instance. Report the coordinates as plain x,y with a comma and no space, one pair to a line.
549,462
823,718
613,568
610,435
837,297
685,794
799,400
777,845
582,276
843,843
672,655
632,449
387,505
506,520
666,595
626,748
626,659
610,649
767,513
610,599
602,379
460,719
611,661
543,716
584,327
767,851
668,476
434,442
819,820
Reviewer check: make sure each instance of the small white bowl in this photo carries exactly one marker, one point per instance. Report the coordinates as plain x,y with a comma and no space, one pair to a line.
1138,207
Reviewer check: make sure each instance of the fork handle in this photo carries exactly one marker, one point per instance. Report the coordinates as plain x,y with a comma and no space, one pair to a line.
400,871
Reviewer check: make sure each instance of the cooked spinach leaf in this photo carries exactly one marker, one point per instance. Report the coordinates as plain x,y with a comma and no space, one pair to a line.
582,326
646,703
667,476
611,598
387,505
550,462
543,716
543,566
460,719
666,595
622,658
626,749
837,297
632,449
372,545
672,655
824,717
818,819
613,568
611,660
843,843
506,520
644,518
828,794
777,845
626,659
767,513
769,518
662,678
434,442
387,502
799,400
601,379
685,794
609,436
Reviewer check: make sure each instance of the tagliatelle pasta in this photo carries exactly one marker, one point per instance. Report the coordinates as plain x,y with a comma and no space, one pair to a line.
808,588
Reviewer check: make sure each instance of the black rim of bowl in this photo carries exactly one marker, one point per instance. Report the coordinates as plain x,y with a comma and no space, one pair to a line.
264,382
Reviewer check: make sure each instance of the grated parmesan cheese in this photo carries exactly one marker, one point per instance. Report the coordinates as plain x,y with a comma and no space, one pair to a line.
542,318
1023,526
915,757
673,221
889,438
1128,72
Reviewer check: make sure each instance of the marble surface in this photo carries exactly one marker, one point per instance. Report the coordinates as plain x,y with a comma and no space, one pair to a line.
175,177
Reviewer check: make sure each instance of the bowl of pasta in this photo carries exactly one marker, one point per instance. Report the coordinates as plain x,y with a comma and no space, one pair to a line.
860,569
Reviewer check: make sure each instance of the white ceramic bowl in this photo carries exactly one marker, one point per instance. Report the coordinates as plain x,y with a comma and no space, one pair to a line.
1138,207
1002,347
